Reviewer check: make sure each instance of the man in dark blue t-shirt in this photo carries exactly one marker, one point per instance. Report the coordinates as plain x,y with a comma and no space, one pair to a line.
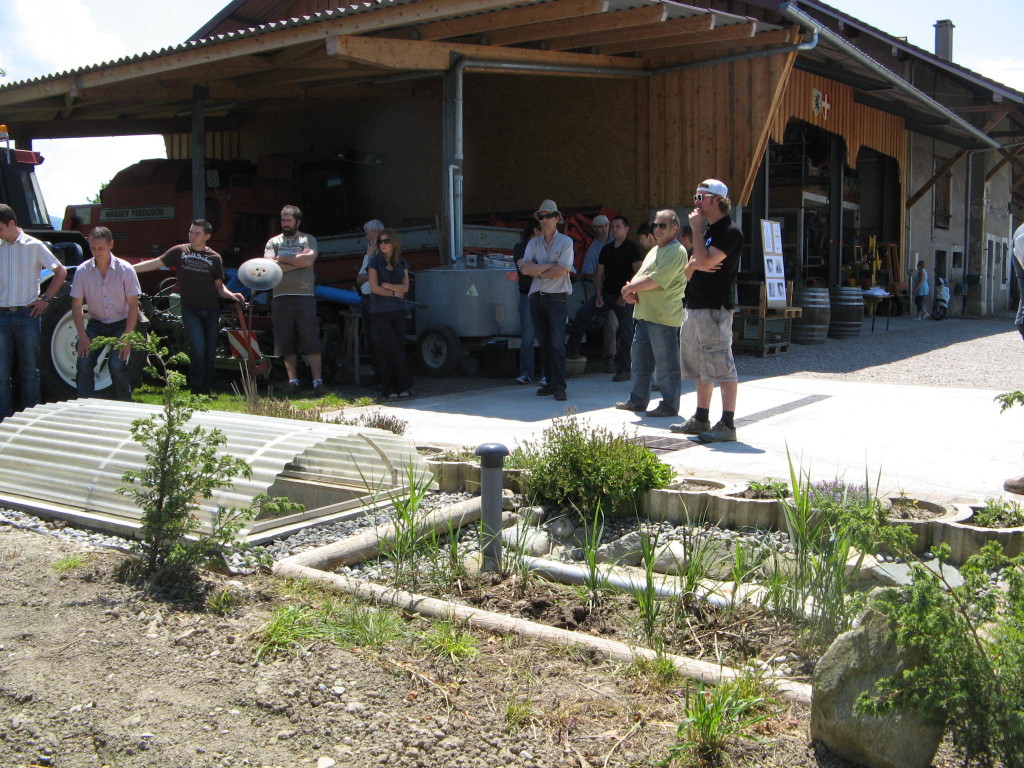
705,342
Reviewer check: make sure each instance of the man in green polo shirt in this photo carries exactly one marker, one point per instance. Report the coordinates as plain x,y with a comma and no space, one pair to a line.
657,291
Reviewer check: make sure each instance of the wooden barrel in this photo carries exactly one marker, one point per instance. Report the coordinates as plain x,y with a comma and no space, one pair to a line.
812,325
847,312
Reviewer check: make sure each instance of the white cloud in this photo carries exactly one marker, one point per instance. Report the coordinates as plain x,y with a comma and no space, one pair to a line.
1005,70
53,36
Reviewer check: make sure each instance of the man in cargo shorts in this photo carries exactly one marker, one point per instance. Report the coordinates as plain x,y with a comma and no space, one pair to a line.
293,309
705,343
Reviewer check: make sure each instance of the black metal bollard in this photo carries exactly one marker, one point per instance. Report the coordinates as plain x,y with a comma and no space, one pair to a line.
492,462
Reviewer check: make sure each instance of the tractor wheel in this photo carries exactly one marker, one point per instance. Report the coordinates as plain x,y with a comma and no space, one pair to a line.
438,349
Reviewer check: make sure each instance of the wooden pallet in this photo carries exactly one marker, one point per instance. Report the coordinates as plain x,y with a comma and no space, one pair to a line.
790,312
768,350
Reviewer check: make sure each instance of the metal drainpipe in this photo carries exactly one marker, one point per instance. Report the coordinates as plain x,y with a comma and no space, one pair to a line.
461,64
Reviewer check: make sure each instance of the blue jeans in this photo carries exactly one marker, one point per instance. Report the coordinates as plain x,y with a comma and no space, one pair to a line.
119,374
623,314
550,314
19,333
527,337
654,343
201,327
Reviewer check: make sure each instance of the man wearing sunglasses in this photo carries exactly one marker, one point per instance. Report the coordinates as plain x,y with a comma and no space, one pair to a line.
705,343
656,290
548,260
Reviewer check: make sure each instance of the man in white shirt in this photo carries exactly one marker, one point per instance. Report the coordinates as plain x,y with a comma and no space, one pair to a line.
23,260
548,260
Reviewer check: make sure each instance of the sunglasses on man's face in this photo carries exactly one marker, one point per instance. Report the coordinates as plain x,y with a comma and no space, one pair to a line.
701,195
661,225
543,216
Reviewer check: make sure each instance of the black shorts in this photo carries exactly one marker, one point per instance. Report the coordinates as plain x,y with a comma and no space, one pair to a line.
295,327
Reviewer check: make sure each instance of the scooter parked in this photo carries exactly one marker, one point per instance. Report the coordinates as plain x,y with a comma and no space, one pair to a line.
941,304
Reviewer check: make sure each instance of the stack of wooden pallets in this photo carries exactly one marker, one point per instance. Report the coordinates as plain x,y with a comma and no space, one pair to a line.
762,330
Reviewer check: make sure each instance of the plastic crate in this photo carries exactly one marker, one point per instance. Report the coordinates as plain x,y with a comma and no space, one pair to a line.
759,334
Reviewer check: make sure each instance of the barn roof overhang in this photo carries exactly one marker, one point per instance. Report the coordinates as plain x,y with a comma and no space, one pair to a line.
374,47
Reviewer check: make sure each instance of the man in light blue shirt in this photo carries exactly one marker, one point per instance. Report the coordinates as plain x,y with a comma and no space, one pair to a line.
548,260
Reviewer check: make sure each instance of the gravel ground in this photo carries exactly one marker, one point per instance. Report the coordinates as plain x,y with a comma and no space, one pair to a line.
956,352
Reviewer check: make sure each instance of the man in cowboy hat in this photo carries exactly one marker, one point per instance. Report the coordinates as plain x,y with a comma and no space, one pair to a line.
548,260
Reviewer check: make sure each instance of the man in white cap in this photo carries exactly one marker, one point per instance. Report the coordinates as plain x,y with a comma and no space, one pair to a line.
548,260
705,343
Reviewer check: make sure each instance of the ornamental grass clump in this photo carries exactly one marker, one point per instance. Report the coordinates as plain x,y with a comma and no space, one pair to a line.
580,466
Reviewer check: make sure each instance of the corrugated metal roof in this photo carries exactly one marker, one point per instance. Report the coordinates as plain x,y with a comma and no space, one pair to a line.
261,29
67,460
675,10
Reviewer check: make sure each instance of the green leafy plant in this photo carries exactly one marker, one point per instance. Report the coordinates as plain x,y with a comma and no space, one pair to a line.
829,524
518,713
999,513
447,641
69,562
223,601
380,420
182,467
408,544
768,489
714,717
647,600
1009,399
579,466
594,581
969,643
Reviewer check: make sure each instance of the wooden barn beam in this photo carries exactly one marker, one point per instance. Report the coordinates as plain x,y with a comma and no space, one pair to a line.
387,53
687,51
557,39
480,23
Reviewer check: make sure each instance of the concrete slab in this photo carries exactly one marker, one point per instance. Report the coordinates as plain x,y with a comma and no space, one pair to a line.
935,443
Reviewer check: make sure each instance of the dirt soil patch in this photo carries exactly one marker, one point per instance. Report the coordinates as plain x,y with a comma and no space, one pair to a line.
94,672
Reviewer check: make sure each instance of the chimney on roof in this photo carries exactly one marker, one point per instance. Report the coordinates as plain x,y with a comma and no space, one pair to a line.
944,39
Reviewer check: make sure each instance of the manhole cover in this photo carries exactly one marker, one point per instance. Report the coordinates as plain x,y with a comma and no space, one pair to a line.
657,444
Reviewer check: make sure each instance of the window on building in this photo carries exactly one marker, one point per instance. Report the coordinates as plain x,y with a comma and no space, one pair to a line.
943,197
958,260
1003,263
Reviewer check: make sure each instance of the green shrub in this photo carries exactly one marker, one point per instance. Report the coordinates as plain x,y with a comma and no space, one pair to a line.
581,466
970,639
999,514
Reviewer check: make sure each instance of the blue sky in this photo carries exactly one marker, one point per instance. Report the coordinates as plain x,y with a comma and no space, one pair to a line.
47,36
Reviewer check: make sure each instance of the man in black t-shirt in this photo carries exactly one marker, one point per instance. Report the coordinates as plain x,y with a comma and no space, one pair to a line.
616,265
200,274
705,342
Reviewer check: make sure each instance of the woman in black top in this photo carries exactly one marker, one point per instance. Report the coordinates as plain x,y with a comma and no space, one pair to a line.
389,283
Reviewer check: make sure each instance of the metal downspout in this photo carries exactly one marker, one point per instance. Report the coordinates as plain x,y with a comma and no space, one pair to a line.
460,64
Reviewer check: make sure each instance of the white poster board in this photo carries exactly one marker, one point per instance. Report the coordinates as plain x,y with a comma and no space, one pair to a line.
774,269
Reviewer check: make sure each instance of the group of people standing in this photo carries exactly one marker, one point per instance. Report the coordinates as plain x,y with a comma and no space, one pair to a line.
673,306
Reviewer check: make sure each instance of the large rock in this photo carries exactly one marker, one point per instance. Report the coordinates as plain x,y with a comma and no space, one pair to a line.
854,662
526,540
627,550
